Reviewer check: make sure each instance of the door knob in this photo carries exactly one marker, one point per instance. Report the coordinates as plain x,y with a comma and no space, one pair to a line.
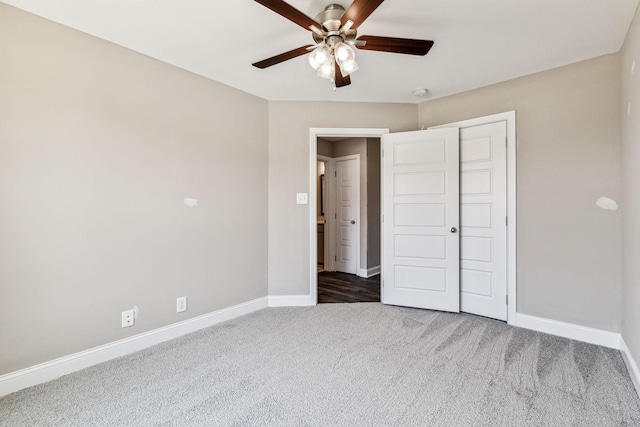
453,229
353,221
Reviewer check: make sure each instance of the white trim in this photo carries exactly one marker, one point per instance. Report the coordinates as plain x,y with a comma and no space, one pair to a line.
512,148
632,367
314,133
290,301
53,369
569,330
369,272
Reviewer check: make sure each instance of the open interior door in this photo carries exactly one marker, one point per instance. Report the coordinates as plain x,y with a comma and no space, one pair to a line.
420,207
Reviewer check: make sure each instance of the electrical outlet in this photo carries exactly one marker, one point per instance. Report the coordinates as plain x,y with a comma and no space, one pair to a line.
181,304
128,318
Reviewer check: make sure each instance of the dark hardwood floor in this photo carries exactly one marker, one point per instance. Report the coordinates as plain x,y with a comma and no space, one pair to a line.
341,287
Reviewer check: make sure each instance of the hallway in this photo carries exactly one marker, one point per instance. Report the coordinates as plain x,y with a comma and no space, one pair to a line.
334,287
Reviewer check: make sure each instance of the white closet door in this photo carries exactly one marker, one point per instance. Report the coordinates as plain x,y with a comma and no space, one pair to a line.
483,213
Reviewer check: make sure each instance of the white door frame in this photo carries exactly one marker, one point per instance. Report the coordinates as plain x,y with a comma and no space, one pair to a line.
314,134
512,148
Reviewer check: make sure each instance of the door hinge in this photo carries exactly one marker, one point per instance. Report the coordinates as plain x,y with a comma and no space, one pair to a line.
335,173
506,299
506,220
335,258
335,216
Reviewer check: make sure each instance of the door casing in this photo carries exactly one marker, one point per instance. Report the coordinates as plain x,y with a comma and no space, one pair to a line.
314,134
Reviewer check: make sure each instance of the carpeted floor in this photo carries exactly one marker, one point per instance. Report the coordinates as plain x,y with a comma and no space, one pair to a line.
344,365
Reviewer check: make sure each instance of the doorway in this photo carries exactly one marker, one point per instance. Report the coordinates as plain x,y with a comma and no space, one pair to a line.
345,226
335,287
348,220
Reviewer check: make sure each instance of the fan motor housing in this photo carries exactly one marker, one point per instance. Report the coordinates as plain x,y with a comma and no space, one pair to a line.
330,18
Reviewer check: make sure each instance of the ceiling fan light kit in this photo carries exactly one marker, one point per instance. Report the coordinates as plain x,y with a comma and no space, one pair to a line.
334,32
323,57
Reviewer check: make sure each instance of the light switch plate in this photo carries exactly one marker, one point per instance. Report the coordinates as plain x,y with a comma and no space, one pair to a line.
302,198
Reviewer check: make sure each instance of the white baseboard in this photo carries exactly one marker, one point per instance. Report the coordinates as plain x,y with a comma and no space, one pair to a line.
53,369
569,330
366,273
373,271
632,367
290,300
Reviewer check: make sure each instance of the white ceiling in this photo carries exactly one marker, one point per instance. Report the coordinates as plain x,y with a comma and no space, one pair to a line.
477,42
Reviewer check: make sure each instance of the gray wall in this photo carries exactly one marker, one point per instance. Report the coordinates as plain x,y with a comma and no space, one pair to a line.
630,92
325,148
289,124
98,148
373,202
568,119
568,131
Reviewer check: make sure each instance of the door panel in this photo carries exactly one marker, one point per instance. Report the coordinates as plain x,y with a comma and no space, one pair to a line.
347,214
421,259
420,214
483,211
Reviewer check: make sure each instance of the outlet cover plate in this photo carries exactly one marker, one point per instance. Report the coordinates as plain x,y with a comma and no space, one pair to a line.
128,318
181,304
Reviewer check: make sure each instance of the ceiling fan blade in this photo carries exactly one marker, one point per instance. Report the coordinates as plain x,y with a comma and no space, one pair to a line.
359,11
396,45
340,81
282,57
289,12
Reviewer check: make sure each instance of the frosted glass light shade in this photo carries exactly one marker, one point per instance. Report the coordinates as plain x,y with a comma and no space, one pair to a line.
344,52
346,58
348,67
327,69
319,56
